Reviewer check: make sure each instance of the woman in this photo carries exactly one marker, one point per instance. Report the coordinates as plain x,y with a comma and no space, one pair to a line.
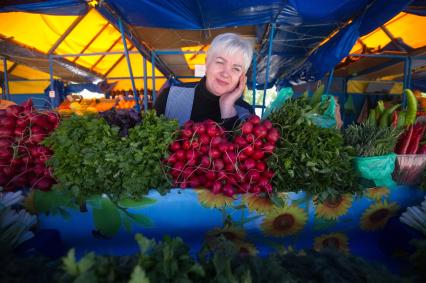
218,96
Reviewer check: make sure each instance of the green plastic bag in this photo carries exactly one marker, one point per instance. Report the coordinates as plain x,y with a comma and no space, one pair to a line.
328,118
284,94
378,169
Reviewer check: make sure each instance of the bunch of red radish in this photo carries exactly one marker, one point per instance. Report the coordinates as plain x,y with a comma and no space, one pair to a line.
22,158
204,155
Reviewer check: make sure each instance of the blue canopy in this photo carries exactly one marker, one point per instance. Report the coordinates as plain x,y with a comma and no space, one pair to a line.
311,36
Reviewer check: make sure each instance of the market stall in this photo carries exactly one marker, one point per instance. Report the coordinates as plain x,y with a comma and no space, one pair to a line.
292,186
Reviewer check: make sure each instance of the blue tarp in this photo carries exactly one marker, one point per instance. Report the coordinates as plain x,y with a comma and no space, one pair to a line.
302,25
52,7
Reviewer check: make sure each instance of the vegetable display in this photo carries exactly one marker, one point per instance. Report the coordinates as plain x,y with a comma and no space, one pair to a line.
307,157
91,158
202,156
22,157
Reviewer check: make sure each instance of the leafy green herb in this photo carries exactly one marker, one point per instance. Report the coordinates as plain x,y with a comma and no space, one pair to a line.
307,157
90,158
370,140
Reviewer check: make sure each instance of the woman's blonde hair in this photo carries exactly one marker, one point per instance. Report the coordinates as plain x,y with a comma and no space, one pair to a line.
231,43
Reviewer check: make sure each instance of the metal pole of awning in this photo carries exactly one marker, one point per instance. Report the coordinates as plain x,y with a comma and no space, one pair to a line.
6,81
52,89
153,76
126,53
145,86
271,37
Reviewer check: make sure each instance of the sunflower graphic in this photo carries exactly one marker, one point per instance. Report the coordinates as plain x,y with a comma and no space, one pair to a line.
284,221
377,215
337,241
377,193
261,204
332,209
209,199
233,234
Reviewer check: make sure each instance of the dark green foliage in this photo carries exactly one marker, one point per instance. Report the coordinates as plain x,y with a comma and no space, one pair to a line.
90,158
370,140
169,261
307,157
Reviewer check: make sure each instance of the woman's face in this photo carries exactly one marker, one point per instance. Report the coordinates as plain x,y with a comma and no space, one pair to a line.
223,72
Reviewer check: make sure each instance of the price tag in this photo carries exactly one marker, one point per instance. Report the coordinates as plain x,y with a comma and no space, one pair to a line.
52,94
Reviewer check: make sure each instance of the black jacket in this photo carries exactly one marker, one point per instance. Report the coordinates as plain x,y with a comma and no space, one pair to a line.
205,106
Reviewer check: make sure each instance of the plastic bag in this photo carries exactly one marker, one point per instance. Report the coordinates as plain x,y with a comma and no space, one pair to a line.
328,118
284,94
378,169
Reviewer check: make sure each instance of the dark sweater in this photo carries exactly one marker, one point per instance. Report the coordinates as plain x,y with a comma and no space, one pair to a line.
206,105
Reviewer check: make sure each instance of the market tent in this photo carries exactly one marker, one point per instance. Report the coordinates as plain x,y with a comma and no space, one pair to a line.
396,41
28,67
297,40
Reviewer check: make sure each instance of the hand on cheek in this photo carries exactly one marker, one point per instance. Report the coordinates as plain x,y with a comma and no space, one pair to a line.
227,100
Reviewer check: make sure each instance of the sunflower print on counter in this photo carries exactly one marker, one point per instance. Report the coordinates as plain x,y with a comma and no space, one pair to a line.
211,200
377,215
233,234
332,209
284,221
337,241
377,193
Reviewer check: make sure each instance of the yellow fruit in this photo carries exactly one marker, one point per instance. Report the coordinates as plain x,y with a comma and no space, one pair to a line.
75,106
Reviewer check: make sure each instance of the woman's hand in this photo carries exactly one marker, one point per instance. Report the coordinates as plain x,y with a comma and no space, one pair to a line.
227,100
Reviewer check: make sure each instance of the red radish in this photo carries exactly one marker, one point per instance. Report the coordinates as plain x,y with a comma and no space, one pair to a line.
210,175
5,142
261,166
229,167
186,133
247,128
204,139
44,183
215,153
228,190
258,143
186,145
250,163
230,157
53,118
180,154
195,144
254,119
205,161
14,110
258,154
6,153
256,190
199,128
267,124
175,146
194,182
253,176
7,122
216,141
248,150
188,124
273,135
250,138
268,148
240,141
204,149
8,171
218,164
3,113
6,132
242,157
187,172
217,187
260,131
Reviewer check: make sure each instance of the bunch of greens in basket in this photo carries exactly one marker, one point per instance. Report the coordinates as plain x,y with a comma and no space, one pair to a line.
370,140
307,157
